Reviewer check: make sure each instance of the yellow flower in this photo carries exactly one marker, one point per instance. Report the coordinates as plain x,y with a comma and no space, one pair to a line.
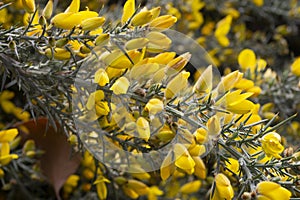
222,188
102,108
120,86
236,102
190,187
213,126
21,114
101,77
223,28
5,156
8,135
258,3
177,84
201,135
271,144
70,184
295,67
183,161
247,60
268,190
143,128
154,106
101,187
70,20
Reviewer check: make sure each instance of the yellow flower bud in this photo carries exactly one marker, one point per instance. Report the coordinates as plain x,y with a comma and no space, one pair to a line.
213,126
29,146
163,22
139,187
29,5
155,12
143,128
164,58
177,84
137,43
271,190
59,53
177,64
120,86
204,82
190,187
92,23
61,42
158,42
295,67
47,12
258,3
72,139
142,18
102,39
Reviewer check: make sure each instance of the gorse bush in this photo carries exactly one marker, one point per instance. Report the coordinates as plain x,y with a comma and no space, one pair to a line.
119,102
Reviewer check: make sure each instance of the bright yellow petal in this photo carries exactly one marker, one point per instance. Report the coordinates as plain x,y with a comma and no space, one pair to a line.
247,59
74,6
8,135
128,10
